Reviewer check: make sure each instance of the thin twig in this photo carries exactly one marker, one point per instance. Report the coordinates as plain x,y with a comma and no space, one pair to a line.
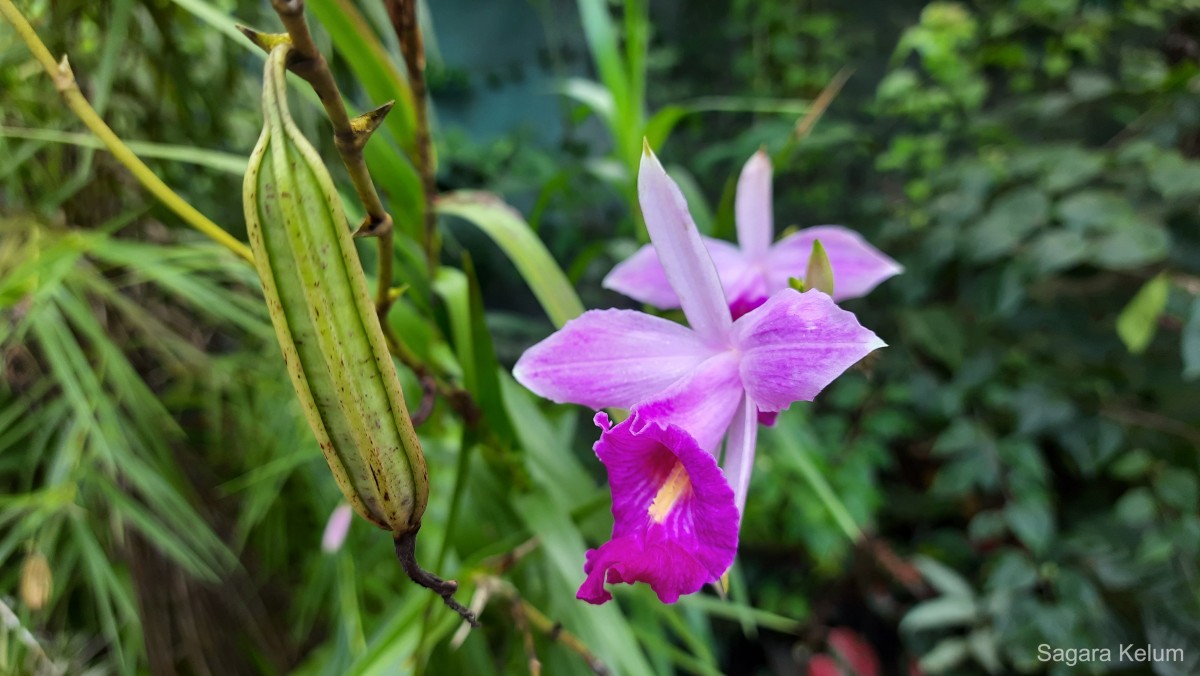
406,545
350,135
898,568
477,605
554,631
522,624
428,395
502,563
459,399
1153,421
64,80
805,126
403,14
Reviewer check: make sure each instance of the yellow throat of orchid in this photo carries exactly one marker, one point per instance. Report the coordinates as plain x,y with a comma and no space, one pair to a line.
675,487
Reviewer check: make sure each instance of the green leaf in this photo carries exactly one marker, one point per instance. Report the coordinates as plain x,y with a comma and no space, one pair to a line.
943,578
512,234
936,330
946,655
1012,571
1058,249
735,611
1137,507
1007,223
660,125
1094,210
208,13
1032,521
819,275
1174,177
591,94
985,649
487,369
1190,343
1132,245
1070,167
1132,465
944,611
1138,322
1178,488
602,40
452,286
225,162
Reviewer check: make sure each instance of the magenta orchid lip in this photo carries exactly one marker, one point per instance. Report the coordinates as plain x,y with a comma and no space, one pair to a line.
675,526
688,389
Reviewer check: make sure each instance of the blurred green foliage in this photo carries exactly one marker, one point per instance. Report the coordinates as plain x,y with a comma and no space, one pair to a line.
1023,456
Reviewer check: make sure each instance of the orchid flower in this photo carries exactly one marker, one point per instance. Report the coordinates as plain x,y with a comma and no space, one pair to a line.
752,273
687,388
675,526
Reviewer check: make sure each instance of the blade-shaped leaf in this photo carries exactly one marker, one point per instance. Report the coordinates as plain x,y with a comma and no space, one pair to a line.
512,234
1138,322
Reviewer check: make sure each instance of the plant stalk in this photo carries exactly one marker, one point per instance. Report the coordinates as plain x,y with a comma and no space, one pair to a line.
403,14
349,135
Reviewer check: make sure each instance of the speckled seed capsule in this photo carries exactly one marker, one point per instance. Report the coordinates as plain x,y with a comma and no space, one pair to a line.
326,323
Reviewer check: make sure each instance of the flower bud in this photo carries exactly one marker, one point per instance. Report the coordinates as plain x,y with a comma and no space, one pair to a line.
36,580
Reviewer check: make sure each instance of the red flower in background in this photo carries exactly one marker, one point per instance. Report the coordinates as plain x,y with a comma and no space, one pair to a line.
853,656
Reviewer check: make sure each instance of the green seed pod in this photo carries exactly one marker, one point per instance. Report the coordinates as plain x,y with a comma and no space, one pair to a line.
332,342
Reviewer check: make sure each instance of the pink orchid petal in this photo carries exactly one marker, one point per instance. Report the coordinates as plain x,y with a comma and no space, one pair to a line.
739,452
684,258
702,402
795,344
767,418
610,358
674,523
858,267
336,528
642,278
752,207
744,281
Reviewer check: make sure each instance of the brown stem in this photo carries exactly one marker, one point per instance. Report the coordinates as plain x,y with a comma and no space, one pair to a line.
406,552
403,14
349,135
555,632
428,393
501,563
